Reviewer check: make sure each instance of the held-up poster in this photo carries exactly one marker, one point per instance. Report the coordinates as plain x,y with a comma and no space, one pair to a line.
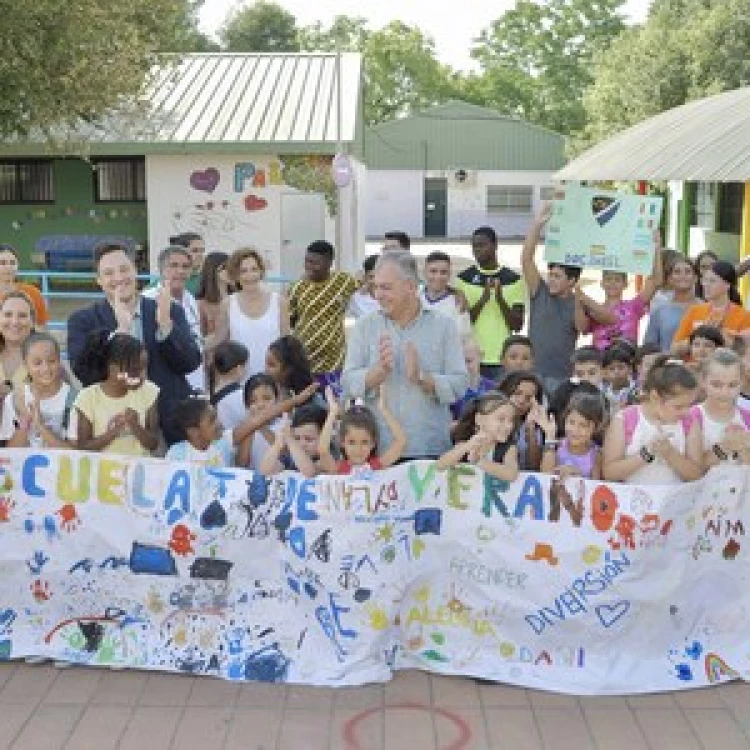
603,229
579,586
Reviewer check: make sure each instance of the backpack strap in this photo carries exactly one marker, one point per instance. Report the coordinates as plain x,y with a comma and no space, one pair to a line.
630,417
224,392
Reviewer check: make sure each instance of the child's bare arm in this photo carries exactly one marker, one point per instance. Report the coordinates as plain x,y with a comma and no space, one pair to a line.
396,448
507,470
326,462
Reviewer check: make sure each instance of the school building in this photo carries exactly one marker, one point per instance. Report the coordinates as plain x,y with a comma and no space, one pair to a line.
444,171
236,147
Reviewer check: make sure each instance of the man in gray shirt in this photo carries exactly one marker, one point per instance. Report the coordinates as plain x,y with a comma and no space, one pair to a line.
414,354
559,310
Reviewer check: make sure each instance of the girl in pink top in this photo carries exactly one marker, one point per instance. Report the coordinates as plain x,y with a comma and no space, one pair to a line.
628,312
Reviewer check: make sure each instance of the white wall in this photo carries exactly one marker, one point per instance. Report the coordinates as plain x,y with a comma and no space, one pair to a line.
208,195
395,200
673,220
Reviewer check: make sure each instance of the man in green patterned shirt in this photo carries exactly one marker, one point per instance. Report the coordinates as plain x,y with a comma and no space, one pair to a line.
317,305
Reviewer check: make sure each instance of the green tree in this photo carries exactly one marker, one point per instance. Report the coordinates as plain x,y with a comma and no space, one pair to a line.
64,62
402,73
544,49
346,33
261,27
686,49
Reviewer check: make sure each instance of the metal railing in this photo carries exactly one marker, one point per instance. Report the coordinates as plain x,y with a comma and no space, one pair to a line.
48,293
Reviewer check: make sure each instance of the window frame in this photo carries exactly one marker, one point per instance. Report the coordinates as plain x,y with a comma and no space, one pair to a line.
134,161
510,210
19,164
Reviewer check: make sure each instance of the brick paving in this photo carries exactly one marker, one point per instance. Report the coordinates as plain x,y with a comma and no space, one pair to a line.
43,708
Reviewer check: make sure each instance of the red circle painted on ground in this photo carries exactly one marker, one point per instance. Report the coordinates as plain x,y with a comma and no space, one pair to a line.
350,728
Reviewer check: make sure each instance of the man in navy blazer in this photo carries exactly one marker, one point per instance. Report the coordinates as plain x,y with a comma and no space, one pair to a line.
159,323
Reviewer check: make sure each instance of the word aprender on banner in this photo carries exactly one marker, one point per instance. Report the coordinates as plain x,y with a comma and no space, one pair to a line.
579,586
603,229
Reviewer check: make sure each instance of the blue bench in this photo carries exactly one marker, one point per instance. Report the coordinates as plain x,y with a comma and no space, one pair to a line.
74,252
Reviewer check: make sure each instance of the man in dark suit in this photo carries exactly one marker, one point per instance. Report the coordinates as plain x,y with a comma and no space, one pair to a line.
159,323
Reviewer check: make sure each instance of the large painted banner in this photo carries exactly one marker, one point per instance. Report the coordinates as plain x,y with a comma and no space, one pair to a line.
581,587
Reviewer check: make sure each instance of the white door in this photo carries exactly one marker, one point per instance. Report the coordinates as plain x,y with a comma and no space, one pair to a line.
302,222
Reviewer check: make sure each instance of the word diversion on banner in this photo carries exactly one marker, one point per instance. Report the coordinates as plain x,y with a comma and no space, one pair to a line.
581,587
603,229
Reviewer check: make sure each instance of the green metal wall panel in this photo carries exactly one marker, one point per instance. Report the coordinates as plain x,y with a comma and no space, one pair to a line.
462,135
73,212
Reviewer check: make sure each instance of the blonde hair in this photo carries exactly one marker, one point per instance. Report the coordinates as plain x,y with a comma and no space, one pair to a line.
238,256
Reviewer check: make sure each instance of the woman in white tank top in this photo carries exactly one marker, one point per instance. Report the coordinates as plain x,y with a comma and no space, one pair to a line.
254,315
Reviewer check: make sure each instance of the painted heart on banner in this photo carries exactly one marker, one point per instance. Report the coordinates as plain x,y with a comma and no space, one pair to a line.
609,614
206,180
255,203
604,208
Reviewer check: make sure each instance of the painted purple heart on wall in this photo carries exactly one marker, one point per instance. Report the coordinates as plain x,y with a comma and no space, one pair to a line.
206,181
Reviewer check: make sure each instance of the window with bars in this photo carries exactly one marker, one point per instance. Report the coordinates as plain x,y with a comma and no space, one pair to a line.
120,180
26,182
509,199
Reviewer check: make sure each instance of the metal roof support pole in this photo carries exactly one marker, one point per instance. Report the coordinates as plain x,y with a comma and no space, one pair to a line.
339,150
745,242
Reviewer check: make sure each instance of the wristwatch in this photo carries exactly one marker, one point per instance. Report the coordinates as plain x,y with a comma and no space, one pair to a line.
646,455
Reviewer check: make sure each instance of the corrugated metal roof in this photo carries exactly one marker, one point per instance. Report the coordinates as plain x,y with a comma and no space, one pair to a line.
457,134
219,101
706,140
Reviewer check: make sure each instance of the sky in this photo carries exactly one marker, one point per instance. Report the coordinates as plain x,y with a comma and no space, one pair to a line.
453,25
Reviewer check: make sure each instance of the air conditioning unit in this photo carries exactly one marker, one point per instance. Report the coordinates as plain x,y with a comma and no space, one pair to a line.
463,178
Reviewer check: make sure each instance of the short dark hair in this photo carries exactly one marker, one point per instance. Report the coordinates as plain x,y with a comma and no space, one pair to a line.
573,273
617,353
188,413
184,239
321,247
588,405
369,264
401,237
586,354
228,355
255,382
710,333
516,338
309,414
437,256
512,380
7,248
487,232
106,248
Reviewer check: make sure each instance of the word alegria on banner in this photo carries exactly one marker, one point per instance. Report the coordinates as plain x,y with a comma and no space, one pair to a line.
576,586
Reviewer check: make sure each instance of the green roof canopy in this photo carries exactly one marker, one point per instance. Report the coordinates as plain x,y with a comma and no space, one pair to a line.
460,135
